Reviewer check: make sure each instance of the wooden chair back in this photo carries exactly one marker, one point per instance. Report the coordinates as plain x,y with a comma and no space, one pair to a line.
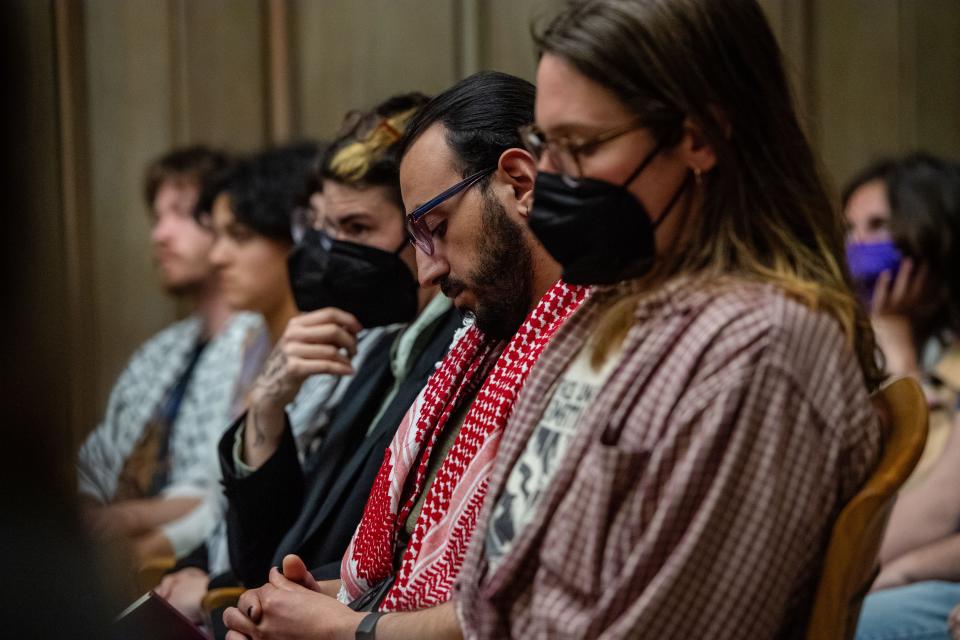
850,565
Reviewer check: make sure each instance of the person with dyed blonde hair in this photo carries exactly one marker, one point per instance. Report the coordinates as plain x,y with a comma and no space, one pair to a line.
468,187
352,267
249,210
676,461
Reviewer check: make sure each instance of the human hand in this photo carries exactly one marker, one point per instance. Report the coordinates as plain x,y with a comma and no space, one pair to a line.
185,590
284,609
894,300
313,343
110,521
894,574
296,571
319,342
903,294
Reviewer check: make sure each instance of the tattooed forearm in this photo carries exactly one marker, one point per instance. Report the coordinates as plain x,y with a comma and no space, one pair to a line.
275,363
270,385
271,392
259,437
262,431
275,387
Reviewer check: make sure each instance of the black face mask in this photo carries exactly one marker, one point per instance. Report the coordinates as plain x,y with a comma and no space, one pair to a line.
374,285
598,231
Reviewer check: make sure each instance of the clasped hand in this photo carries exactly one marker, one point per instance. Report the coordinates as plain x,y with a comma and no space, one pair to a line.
290,606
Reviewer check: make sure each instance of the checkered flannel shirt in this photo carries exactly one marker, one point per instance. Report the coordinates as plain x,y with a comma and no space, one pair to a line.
697,495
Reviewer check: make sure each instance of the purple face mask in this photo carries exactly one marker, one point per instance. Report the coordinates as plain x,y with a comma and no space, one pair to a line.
867,261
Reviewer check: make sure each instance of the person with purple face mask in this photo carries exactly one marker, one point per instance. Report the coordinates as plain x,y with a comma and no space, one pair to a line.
874,259
902,217
869,261
908,210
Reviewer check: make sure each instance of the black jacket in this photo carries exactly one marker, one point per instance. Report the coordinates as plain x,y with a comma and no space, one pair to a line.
314,510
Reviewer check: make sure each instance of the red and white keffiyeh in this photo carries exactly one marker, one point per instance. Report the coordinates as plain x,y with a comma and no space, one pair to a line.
439,542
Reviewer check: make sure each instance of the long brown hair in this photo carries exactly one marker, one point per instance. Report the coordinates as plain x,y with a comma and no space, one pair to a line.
924,194
766,214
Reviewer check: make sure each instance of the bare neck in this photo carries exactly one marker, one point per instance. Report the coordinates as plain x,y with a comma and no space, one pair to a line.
424,296
279,316
546,271
212,309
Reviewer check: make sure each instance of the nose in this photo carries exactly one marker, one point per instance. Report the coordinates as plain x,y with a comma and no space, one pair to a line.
162,230
430,269
857,233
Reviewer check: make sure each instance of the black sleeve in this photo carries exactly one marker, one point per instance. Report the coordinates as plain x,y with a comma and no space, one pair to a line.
196,558
328,571
223,580
262,506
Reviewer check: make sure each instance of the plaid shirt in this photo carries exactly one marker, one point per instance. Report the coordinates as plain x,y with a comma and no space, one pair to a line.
697,495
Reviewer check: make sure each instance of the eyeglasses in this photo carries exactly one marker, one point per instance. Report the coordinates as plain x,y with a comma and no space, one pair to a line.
420,233
301,219
565,150
307,217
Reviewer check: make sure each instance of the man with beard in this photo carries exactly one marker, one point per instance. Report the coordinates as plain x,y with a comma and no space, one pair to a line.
352,267
149,463
473,242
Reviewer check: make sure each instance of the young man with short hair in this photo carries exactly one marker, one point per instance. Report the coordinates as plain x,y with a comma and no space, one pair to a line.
152,459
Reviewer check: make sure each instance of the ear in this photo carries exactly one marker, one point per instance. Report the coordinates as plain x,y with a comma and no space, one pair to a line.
696,151
518,170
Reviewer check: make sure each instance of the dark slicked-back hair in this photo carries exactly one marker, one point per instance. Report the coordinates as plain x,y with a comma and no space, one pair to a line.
481,115
193,165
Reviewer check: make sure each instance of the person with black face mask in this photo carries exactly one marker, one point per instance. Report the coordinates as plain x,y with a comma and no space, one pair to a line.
376,286
680,453
598,231
249,209
467,185
352,267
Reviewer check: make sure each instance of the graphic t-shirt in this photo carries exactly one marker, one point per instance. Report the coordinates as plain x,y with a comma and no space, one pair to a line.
531,474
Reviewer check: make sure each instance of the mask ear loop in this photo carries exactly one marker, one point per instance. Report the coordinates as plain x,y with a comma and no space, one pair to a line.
673,201
643,164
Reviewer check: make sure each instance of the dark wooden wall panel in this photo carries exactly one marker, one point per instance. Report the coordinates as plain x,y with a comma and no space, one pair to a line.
871,77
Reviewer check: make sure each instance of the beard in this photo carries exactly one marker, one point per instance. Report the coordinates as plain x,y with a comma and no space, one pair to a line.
502,281
180,285
183,275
